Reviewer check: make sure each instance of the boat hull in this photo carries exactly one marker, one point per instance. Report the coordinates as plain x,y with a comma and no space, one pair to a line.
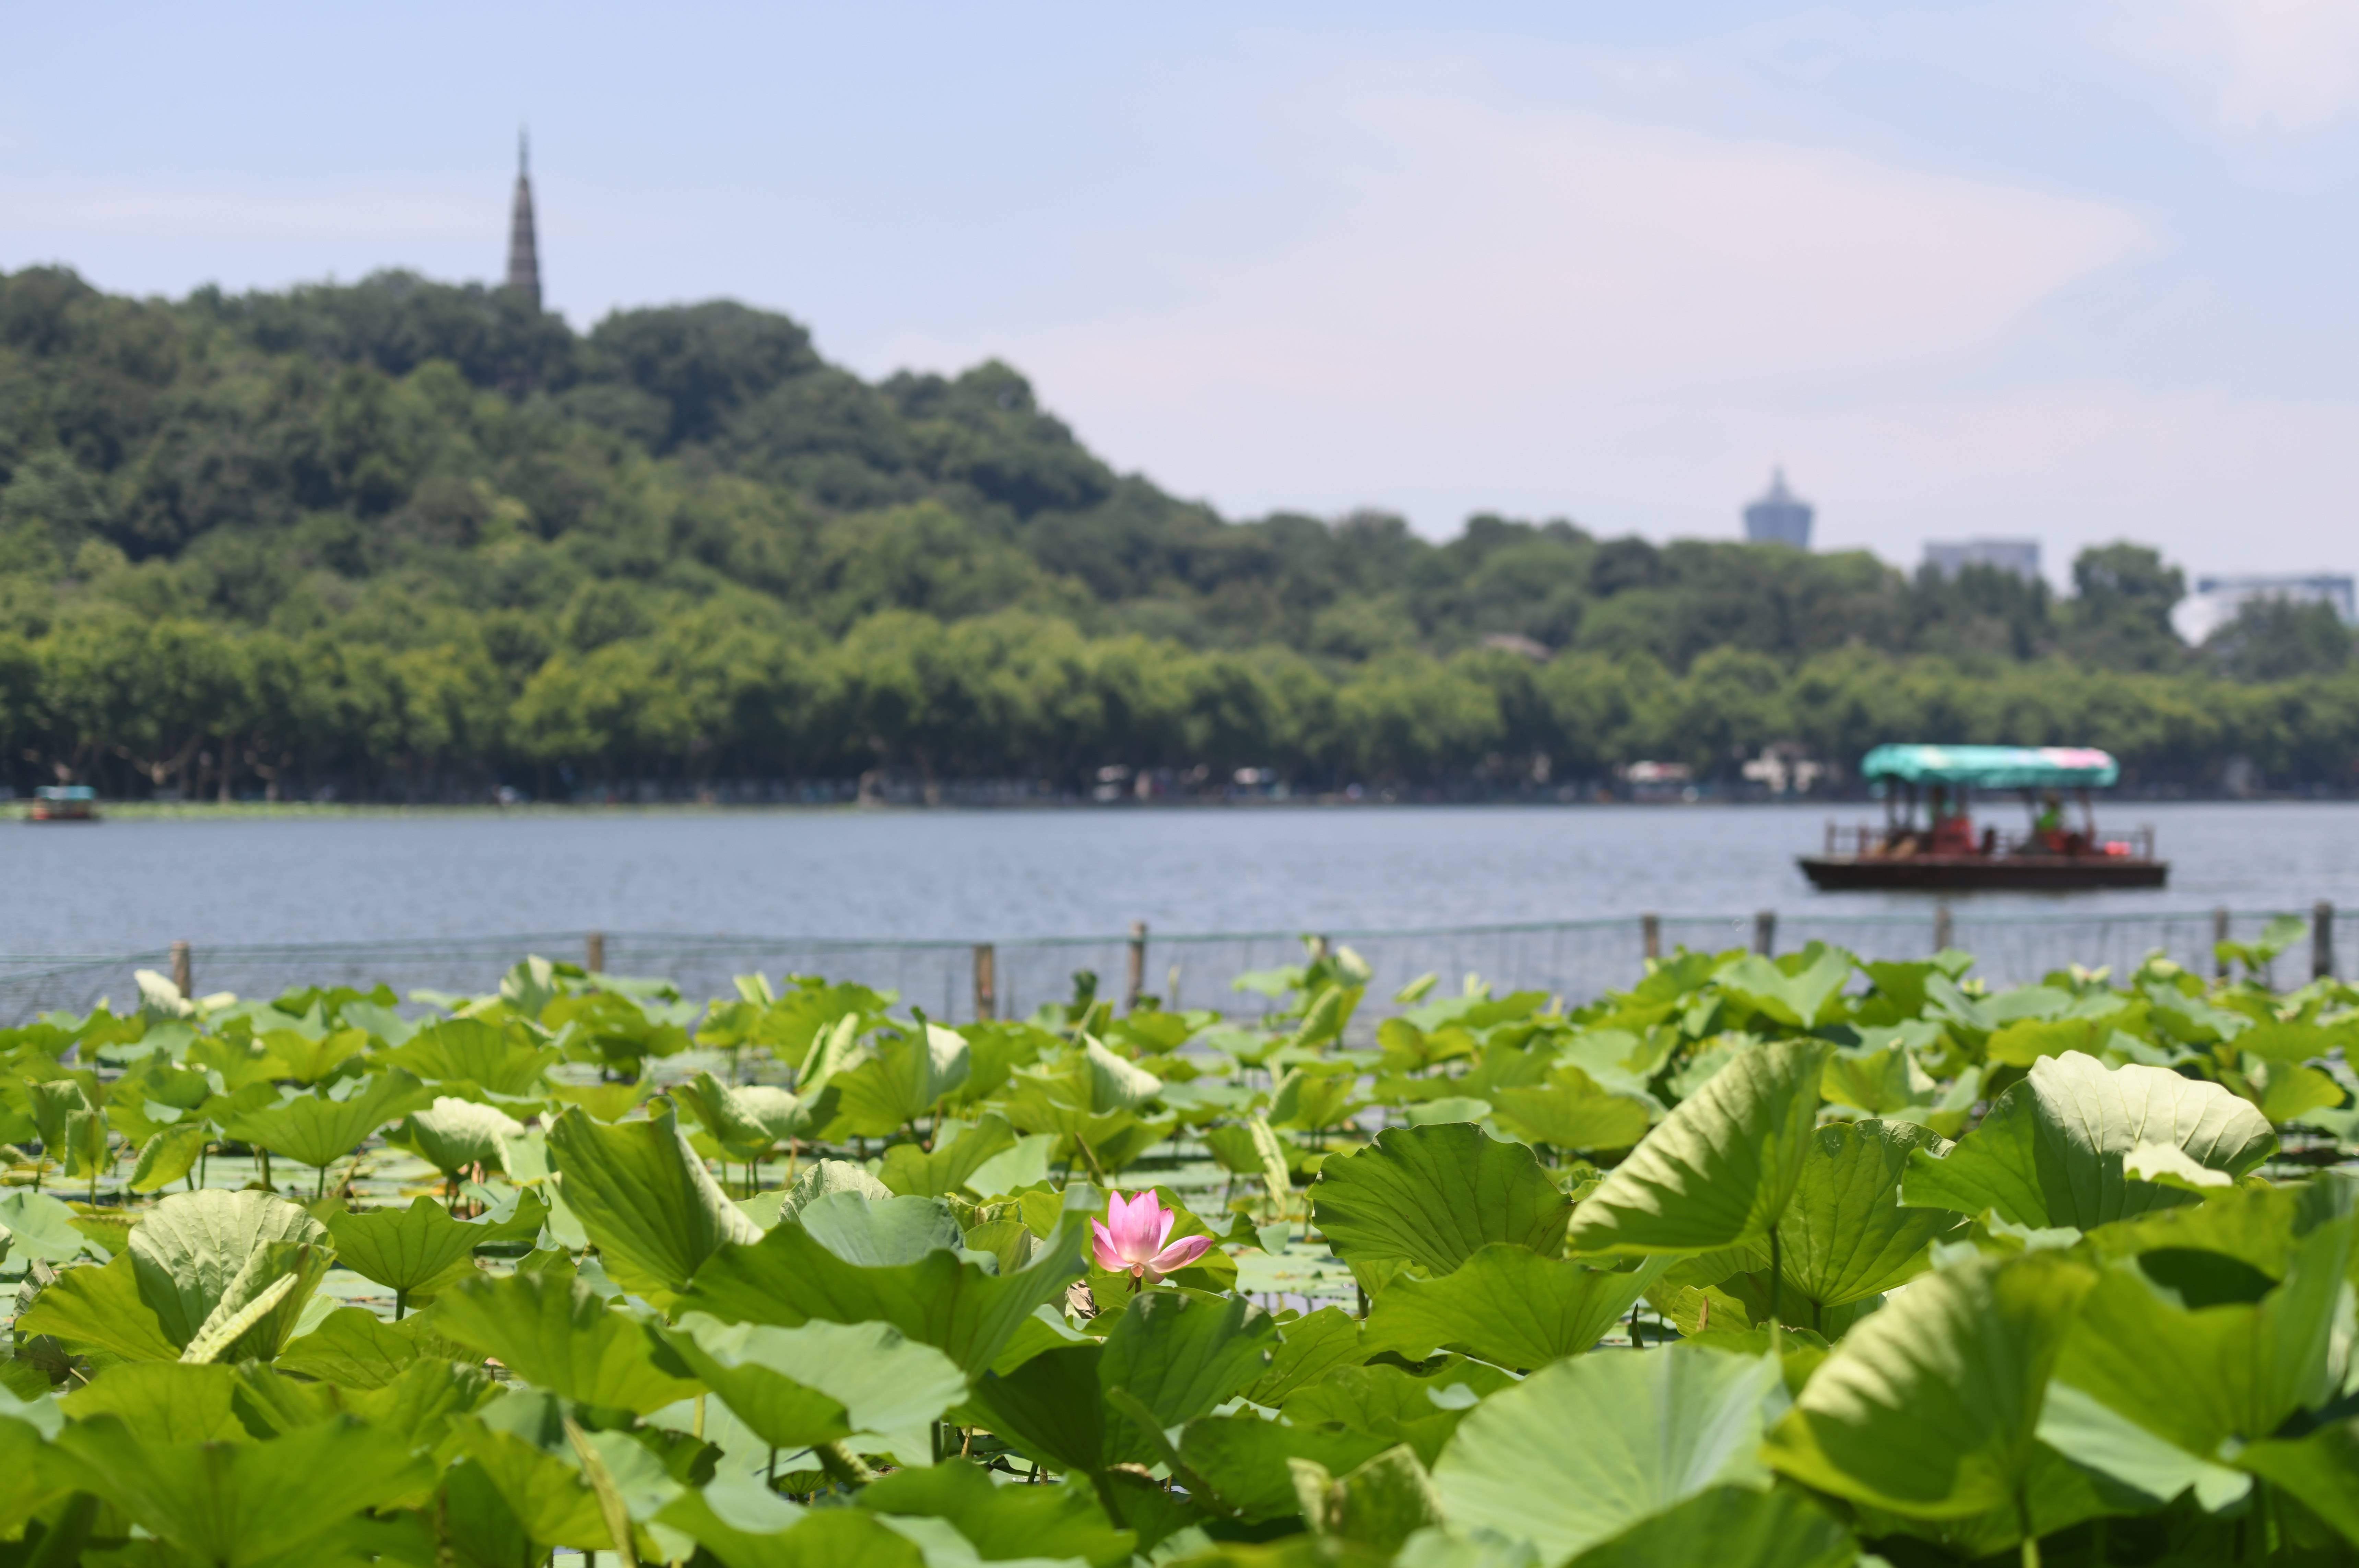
1836,873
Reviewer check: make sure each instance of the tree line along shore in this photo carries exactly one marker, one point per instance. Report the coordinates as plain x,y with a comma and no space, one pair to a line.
404,539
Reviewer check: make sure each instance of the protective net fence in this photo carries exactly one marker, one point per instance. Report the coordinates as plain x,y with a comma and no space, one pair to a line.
951,980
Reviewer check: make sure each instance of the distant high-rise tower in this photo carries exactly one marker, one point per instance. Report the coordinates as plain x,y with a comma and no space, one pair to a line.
524,256
1779,518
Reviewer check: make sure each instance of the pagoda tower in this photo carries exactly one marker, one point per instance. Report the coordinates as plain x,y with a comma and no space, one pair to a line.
524,254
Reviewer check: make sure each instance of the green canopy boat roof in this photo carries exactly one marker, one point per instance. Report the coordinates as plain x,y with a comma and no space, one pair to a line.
1994,767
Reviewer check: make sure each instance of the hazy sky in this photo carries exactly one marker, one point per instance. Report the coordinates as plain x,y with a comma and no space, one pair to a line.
2073,268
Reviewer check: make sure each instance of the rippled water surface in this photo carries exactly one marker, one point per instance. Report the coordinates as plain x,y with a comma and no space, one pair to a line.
134,884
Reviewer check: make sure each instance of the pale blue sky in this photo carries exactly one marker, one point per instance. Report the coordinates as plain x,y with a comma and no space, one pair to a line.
2076,268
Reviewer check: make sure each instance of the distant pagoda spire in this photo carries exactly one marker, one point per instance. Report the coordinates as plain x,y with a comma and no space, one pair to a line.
524,254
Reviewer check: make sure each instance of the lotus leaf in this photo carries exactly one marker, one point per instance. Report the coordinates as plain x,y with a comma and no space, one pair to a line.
1844,1236
1509,1305
1431,1197
1731,1527
2051,1151
1582,1450
654,1210
317,1130
412,1252
788,1277
1001,1522
1572,1112
238,1503
819,1382
552,1330
1722,1168
903,1078
1930,1408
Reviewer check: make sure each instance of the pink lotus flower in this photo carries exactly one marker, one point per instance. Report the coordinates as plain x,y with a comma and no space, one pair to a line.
1131,1239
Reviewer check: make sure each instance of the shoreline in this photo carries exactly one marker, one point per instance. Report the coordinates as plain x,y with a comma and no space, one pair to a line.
250,810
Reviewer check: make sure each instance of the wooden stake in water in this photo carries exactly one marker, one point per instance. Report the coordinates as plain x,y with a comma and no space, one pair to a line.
986,983
183,972
1135,983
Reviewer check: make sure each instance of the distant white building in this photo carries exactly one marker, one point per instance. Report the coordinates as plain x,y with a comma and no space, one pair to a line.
1779,518
2020,556
2216,600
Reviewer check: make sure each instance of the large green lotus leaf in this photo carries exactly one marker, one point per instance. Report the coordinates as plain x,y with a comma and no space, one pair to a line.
550,1329
170,1155
1571,1112
1383,1401
99,1309
879,1232
421,1404
1930,1408
412,1251
2320,1468
232,1504
1581,1450
1731,1527
41,1226
820,1381
1722,1168
316,1130
822,1177
455,1135
1177,1355
1243,1459
746,1526
2274,1040
164,1401
193,1245
2050,1154
261,1304
1507,1305
2056,1494
29,1485
482,1530
1845,1236
947,1167
1056,1523
350,1348
1374,1506
2290,1091
520,1442
954,1304
472,1050
902,1080
1308,1348
2210,1378
1051,1408
1879,1081
1431,1197
306,1058
646,1199
1804,999
2252,1223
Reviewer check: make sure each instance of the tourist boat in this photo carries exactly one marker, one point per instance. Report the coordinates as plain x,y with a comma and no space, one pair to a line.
63,803
1942,849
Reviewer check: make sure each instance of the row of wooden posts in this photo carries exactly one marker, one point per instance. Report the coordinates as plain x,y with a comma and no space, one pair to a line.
1650,935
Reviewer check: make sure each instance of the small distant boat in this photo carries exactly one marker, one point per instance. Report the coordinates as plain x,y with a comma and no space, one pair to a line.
63,803
1945,851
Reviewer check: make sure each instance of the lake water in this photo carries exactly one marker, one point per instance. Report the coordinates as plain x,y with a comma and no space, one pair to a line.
133,884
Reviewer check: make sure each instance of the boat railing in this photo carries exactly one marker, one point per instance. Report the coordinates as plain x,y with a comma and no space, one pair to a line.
1878,840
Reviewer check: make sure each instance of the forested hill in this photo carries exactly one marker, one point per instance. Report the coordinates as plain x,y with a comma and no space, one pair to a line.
409,538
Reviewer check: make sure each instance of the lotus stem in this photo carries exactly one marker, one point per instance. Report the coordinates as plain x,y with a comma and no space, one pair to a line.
844,1464
1776,1277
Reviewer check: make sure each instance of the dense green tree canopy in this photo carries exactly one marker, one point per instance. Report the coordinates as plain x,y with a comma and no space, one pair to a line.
413,538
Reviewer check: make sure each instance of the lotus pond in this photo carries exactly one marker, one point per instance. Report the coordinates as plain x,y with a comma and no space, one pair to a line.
1762,1263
